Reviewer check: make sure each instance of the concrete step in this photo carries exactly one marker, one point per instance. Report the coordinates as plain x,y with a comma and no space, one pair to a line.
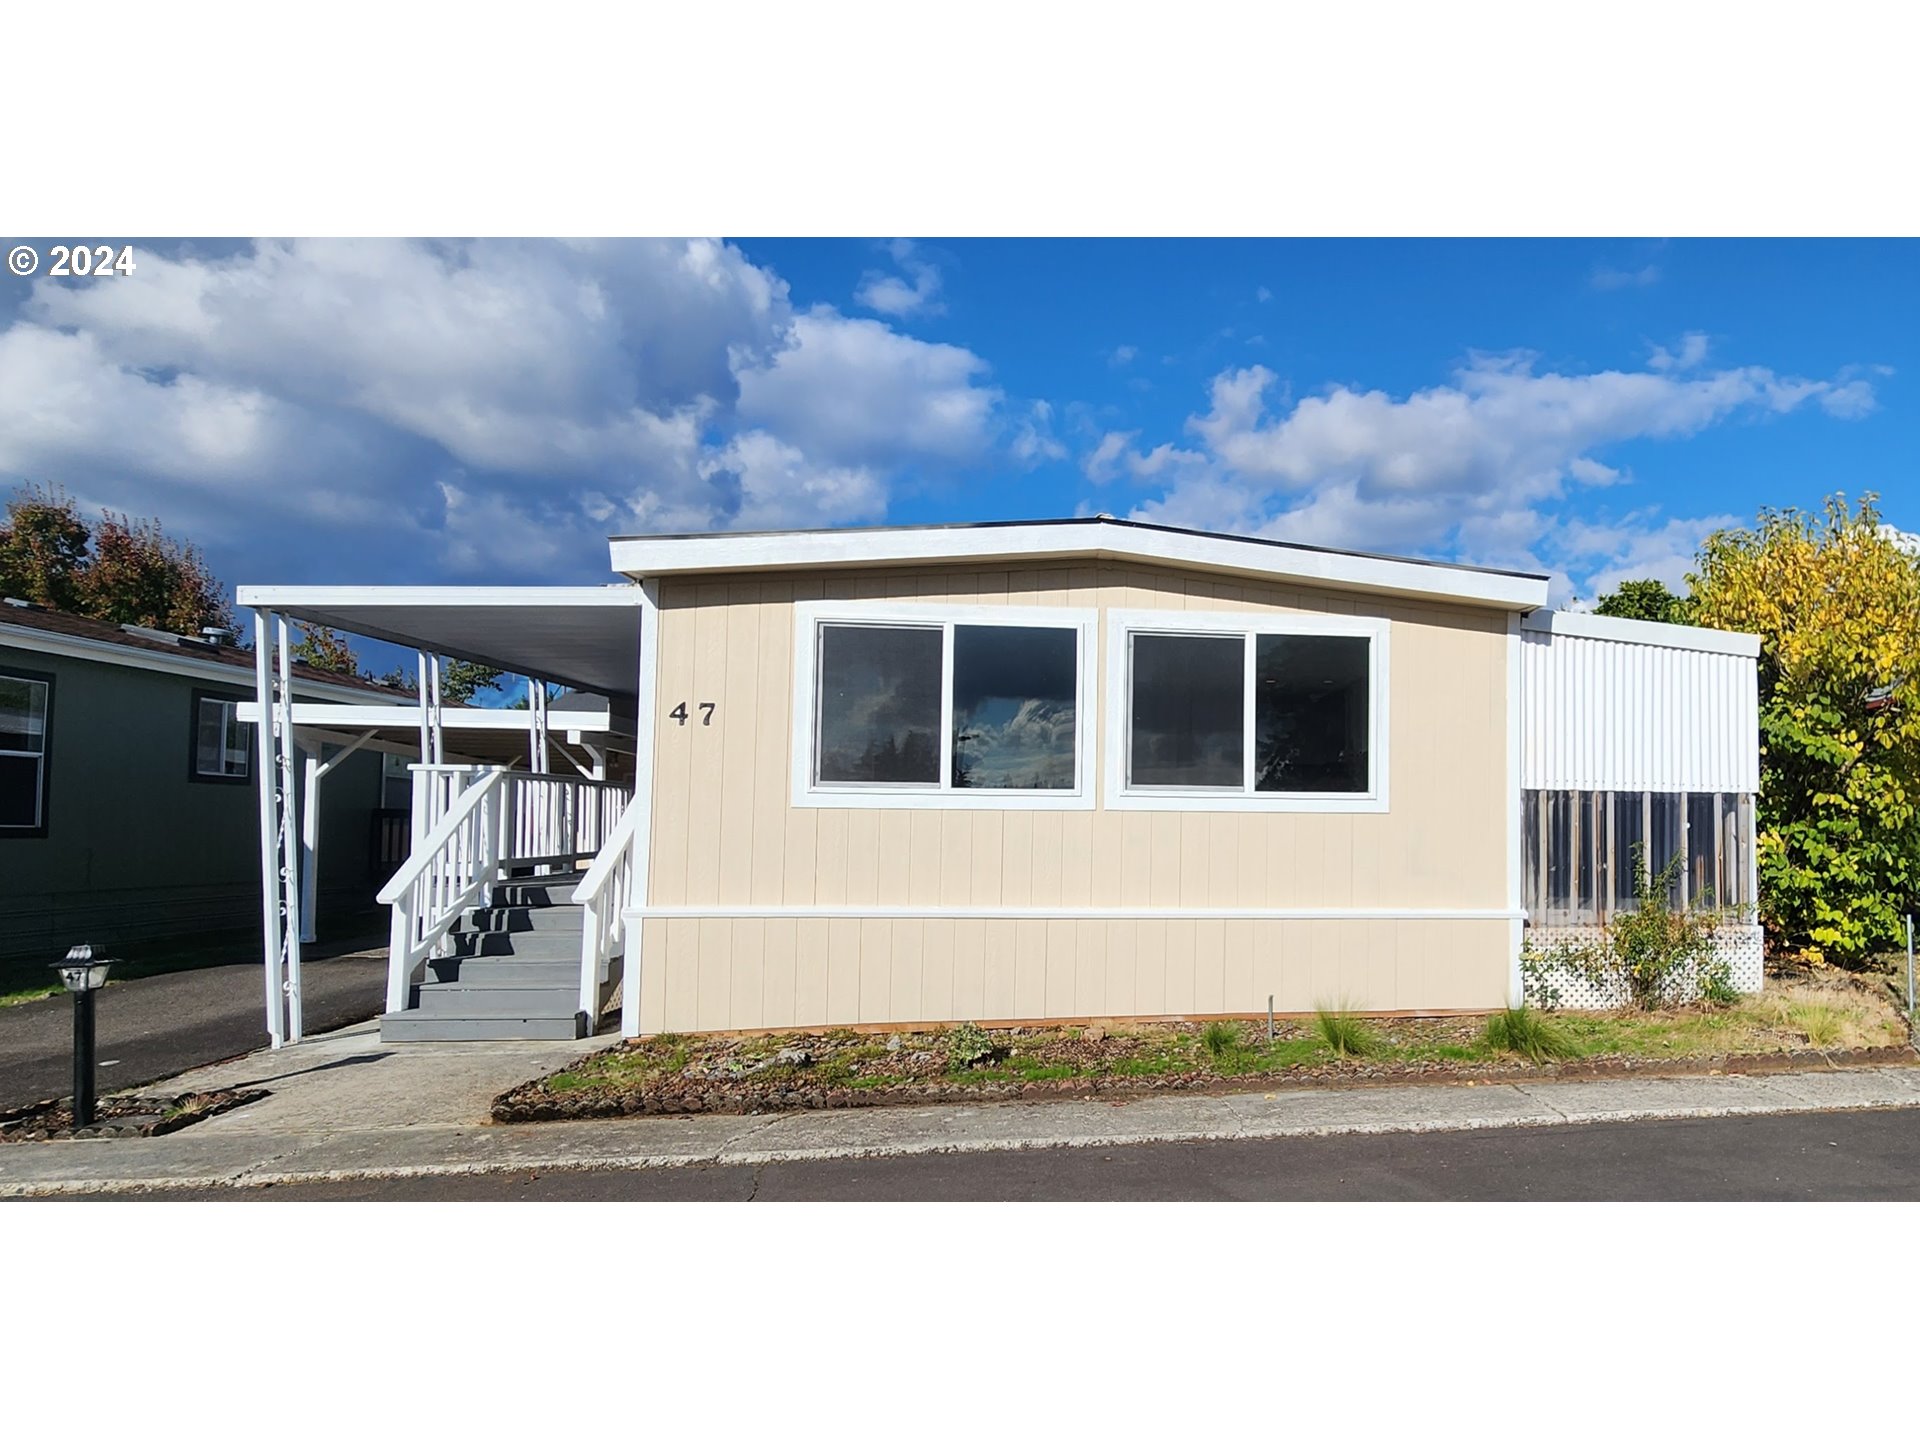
529,944
494,1002
506,971
520,919
411,1026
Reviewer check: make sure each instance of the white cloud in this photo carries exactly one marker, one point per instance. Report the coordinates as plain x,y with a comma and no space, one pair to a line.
854,391
914,292
1463,468
1263,294
1122,355
1607,277
1034,441
380,408
1692,351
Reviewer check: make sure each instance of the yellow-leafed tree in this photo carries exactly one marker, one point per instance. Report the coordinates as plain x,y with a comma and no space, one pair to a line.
1835,597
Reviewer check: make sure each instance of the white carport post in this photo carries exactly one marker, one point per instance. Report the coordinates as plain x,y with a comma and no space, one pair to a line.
290,851
267,769
317,769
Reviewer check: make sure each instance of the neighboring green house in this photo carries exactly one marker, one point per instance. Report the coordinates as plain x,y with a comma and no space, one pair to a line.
127,803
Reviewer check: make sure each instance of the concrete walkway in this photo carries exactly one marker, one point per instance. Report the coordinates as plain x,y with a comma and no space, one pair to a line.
345,1107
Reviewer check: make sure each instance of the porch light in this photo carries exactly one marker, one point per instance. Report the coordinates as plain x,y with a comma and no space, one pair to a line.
83,972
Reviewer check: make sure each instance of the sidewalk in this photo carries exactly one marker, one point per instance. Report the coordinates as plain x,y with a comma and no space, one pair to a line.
345,1107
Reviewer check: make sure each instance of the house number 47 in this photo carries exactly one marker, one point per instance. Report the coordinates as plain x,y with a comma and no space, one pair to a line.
680,716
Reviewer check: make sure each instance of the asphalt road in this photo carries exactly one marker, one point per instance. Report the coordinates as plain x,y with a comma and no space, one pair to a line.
1865,1155
154,1027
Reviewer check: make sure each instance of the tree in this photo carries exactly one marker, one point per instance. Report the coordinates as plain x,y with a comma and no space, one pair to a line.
1644,600
116,569
1837,606
325,649
43,548
139,575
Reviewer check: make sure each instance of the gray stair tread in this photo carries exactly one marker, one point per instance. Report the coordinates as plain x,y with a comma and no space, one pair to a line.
523,944
411,1025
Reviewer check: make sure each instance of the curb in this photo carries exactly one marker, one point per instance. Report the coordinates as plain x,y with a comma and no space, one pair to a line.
775,1155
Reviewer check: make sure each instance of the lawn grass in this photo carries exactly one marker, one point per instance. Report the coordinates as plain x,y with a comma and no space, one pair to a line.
1788,1017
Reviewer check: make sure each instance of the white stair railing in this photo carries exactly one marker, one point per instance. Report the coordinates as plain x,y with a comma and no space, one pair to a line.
451,868
474,822
602,896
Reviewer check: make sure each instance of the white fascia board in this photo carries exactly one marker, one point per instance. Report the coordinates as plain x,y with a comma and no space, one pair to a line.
84,647
652,557
291,599
407,717
1643,632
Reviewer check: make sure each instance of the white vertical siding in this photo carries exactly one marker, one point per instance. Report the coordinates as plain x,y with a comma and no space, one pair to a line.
1606,713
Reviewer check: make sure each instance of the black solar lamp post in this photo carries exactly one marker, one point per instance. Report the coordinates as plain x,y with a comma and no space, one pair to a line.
83,972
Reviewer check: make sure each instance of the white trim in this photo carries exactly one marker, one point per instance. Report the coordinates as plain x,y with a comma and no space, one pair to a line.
1643,632
1060,912
1122,624
1084,539
407,717
86,647
293,598
1516,828
647,686
811,614
269,829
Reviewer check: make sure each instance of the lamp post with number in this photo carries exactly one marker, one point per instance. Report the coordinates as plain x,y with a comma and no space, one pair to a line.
83,972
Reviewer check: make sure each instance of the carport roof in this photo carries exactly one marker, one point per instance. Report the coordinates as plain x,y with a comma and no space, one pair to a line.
584,636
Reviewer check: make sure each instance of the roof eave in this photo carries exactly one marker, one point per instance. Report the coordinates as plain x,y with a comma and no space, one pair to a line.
648,557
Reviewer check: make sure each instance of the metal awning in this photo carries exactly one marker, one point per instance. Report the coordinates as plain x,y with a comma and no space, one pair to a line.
583,636
473,735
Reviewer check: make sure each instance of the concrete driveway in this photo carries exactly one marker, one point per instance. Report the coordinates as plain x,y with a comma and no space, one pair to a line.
163,1024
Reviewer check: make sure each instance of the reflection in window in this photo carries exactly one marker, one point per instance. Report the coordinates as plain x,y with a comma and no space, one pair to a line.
1310,712
1013,707
220,741
879,704
1188,710
1629,832
23,752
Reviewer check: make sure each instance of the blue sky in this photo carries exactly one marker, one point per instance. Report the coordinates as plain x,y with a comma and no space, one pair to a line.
394,411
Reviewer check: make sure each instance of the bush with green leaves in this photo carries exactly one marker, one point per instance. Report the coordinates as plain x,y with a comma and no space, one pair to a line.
1656,954
968,1045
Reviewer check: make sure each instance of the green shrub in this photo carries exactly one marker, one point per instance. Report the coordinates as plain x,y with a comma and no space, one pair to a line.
968,1045
1348,1035
1658,955
1221,1038
1524,1032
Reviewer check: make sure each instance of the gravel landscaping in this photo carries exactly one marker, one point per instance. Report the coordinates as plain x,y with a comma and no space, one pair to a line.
121,1116
1820,1021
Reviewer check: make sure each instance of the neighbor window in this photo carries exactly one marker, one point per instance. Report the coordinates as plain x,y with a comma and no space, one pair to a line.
909,703
1269,711
25,700
1585,849
221,748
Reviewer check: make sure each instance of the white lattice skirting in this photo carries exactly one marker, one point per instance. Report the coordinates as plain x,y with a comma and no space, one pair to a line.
1566,988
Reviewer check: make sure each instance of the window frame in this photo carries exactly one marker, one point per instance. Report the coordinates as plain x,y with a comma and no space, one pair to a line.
1121,794
37,831
195,775
803,722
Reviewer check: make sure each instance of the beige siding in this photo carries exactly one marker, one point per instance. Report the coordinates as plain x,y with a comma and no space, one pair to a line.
726,835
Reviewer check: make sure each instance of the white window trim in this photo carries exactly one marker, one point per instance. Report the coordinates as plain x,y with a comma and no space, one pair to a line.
39,757
1123,624
231,719
810,615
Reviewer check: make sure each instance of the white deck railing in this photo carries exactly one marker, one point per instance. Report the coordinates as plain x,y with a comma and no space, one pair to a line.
472,824
602,896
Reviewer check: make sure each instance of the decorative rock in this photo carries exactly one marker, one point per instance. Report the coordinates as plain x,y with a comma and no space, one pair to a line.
794,1056
893,1042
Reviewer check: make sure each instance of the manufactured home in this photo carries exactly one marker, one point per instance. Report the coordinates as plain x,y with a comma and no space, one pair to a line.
1033,771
